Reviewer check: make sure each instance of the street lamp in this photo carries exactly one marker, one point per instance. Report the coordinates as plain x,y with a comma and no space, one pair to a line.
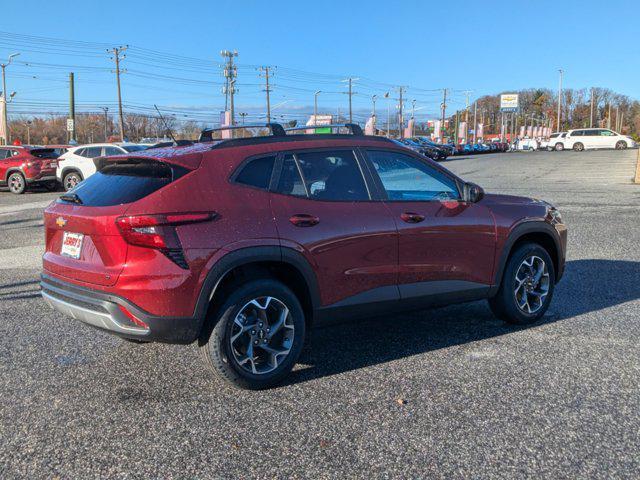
28,132
315,107
5,116
373,101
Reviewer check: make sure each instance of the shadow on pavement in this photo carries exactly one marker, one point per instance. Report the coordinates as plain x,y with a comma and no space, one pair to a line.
352,345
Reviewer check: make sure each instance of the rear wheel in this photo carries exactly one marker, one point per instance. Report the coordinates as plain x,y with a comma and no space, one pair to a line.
621,145
527,286
578,147
559,147
257,336
70,180
17,183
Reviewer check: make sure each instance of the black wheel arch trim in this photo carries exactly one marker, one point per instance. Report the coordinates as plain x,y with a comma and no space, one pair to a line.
249,255
520,230
68,170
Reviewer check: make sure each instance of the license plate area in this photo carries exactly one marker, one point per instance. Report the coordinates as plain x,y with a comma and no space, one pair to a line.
72,245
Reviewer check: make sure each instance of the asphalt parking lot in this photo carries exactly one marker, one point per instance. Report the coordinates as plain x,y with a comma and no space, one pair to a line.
446,393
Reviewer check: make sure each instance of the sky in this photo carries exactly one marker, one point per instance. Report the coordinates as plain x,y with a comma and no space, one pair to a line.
173,59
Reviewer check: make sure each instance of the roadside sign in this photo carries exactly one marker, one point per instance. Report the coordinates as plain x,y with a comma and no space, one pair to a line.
70,124
509,102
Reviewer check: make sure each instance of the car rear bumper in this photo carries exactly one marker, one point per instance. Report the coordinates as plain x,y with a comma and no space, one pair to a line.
105,311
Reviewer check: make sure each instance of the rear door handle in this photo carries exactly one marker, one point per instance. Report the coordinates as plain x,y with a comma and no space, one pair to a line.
304,220
411,217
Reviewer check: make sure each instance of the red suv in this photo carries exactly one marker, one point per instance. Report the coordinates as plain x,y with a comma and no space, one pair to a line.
242,244
24,166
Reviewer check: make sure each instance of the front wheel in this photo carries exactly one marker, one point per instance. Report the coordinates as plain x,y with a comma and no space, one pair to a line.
257,336
527,286
17,183
621,145
578,147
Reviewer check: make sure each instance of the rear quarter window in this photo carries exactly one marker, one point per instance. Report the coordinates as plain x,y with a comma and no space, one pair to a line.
256,172
122,182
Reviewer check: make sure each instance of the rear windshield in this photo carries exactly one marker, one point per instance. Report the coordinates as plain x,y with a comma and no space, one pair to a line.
134,148
43,152
120,183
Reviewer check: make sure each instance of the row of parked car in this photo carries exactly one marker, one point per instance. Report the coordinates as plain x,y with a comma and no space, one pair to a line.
439,152
24,166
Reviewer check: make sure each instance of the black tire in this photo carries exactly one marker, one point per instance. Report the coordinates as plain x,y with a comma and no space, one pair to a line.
559,147
135,341
621,145
16,183
217,351
505,304
578,147
70,180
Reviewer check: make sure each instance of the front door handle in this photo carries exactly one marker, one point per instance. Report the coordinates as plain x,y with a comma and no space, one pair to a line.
304,220
411,217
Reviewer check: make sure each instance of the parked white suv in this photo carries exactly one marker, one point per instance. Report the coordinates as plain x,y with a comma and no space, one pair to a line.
78,162
556,141
592,138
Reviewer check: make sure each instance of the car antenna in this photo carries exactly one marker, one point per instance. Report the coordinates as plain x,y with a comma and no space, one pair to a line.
165,124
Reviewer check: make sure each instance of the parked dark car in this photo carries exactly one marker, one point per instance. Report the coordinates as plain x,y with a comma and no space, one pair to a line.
242,244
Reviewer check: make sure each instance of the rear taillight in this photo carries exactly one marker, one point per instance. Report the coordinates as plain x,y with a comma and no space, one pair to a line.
159,231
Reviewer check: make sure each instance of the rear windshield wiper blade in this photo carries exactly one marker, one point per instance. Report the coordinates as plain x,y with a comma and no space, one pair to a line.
71,197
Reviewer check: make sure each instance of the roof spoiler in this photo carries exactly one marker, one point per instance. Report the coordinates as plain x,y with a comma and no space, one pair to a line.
354,128
275,130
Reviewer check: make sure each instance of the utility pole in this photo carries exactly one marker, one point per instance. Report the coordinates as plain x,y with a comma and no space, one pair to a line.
28,132
609,117
72,109
413,123
475,121
350,80
400,117
106,121
617,118
268,90
5,115
315,106
443,109
230,72
591,114
117,57
560,100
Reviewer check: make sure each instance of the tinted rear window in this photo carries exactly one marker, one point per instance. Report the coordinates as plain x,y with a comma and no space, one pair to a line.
44,153
120,183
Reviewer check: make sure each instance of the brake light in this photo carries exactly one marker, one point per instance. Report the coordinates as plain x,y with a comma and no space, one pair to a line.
158,231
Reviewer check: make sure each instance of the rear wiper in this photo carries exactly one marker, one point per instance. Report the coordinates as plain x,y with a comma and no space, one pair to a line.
71,197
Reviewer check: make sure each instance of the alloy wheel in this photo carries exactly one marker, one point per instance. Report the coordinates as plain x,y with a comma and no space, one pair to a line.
531,284
262,335
16,183
71,181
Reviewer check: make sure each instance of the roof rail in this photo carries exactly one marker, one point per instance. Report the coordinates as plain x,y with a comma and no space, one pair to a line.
354,128
276,130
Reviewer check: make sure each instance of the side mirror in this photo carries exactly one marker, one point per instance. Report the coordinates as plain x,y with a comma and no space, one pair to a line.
474,193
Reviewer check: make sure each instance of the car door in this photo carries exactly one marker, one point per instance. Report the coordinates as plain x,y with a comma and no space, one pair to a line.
446,244
323,208
5,155
607,138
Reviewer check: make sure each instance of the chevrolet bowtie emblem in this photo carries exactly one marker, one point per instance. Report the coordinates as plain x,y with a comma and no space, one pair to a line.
61,222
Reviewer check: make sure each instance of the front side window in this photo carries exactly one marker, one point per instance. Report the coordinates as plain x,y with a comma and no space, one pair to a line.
80,152
405,178
607,133
326,175
577,133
